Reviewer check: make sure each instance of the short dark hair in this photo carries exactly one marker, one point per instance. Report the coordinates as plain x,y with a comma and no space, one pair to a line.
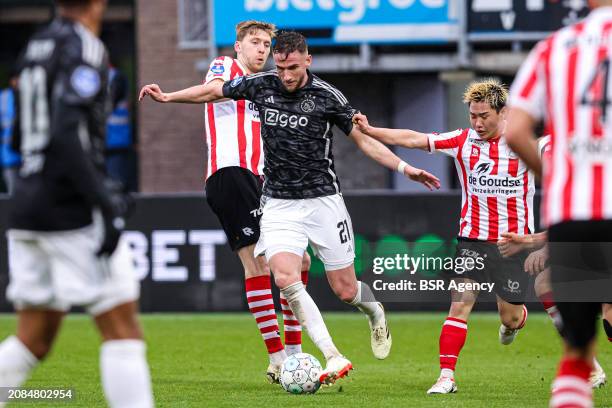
288,42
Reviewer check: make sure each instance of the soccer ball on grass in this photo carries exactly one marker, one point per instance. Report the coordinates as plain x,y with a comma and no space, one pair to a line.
300,374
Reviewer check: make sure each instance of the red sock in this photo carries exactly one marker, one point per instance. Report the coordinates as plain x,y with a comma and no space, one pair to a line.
452,339
261,306
525,314
548,302
292,328
571,388
607,329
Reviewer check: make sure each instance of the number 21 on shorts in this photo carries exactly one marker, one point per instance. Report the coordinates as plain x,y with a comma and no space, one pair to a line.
344,231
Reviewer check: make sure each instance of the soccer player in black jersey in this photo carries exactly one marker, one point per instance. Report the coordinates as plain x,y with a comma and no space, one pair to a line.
234,181
301,193
65,216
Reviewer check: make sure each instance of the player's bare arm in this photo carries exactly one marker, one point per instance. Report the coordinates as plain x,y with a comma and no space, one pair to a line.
398,137
381,154
521,139
512,243
211,92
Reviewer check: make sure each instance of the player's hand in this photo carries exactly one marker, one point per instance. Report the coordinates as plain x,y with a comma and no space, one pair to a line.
536,261
421,176
512,244
154,91
361,121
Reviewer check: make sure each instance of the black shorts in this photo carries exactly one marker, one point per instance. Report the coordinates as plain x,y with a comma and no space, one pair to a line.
581,275
511,282
233,193
581,261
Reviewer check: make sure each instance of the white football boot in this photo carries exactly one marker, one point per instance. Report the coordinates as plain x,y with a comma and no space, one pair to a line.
506,335
444,385
598,376
380,336
336,368
273,373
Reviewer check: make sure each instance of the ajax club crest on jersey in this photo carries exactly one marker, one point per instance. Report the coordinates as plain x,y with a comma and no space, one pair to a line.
307,105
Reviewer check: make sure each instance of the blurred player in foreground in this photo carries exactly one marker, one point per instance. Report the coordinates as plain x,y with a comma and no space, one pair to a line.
564,83
302,195
65,218
497,197
233,184
536,264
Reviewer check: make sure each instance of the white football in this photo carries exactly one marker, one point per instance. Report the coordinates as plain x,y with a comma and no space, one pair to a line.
300,374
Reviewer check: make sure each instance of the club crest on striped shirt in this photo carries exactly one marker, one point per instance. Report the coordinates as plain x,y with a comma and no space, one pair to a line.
218,69
483,168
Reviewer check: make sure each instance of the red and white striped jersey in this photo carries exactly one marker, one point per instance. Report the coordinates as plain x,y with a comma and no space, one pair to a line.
565,82
497,188
232,127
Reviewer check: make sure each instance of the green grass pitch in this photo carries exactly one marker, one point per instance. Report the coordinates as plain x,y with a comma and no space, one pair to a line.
218,360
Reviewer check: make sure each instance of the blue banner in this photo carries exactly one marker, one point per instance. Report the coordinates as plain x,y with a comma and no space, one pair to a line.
341,22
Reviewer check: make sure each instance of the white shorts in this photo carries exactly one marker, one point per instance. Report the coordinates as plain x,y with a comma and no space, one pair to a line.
58,269
324,222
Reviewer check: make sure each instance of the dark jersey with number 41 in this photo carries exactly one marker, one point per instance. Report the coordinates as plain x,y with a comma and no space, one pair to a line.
296,132
63,76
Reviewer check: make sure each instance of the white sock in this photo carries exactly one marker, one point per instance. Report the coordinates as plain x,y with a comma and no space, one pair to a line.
16,362
278,357
447,372
125,374
309,316
292,349
365,301
555,316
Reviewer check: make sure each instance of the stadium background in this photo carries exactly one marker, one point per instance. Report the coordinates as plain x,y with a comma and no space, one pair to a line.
403,62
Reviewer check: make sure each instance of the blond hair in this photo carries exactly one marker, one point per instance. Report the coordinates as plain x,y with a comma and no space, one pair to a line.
252,26
489,90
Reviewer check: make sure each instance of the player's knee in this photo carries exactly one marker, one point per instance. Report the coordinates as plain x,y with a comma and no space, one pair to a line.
284,279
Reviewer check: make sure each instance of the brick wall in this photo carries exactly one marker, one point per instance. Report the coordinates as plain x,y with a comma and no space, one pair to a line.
171,145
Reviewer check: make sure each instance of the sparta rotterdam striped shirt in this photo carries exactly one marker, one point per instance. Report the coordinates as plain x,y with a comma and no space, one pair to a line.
232,127
565,83
497,188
